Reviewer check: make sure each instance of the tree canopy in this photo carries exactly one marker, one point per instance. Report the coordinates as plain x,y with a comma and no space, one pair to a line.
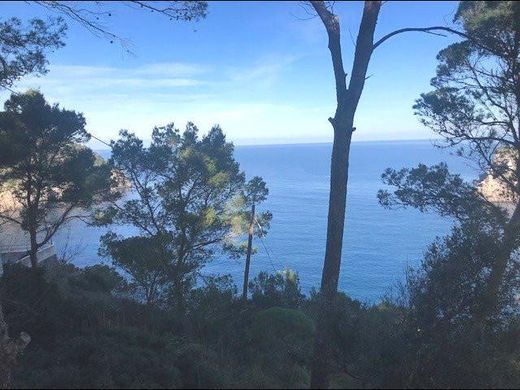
24,48
469,277
182,185
476,96
52,176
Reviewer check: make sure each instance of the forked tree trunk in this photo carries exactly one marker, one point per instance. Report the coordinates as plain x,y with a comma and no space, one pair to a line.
249,250
343,125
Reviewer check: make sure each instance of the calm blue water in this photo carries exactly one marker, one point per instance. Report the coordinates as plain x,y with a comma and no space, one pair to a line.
379,244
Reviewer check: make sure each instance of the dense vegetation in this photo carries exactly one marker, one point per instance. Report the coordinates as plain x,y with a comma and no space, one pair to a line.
87,332
151,319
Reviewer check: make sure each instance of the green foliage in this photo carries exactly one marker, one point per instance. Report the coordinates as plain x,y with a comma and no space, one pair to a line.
451,336
29,125
488,21
122,358
52,177
145,259
452,279
247,221
379,354
188,194
370,344
182,185
86,335
435,188
81,339
462,310
240,214
281,328
211,309
34,309
282,344
99,278
280,289
452,346
475,101
23,49
255,190
199,367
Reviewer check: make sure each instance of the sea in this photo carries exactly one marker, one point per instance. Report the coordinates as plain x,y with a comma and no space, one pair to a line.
379,244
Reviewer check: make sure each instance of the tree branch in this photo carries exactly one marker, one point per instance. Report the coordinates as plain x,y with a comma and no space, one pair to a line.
429,30
92,20
330,21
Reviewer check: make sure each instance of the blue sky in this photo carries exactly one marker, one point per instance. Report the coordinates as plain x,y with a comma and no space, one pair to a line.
255,68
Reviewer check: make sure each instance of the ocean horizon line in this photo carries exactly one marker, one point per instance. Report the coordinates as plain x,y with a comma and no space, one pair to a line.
408,141
389,141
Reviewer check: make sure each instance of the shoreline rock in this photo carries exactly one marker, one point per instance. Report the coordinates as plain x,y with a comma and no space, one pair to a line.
493,187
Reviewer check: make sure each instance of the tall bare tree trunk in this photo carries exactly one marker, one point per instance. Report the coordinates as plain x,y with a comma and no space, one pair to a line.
33,252
249,250
343,125
9,351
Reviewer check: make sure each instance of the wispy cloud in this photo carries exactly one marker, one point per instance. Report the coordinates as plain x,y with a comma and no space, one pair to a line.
265,68
93,80
239,98
174,69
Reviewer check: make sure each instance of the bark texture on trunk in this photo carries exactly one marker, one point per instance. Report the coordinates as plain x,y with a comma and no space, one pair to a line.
343,125
331,266
249,250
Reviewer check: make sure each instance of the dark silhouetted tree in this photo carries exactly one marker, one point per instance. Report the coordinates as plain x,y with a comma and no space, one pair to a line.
348,95
182,186
450,345
280,289
343,124
54,178
145,259
255,192
23,49
475,108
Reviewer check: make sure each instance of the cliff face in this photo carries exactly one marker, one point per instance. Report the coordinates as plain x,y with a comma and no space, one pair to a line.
494,186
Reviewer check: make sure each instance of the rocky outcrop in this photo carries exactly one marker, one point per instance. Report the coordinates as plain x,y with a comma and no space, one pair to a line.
494,184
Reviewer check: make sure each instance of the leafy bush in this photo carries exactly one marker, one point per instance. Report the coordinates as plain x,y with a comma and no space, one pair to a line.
280,289
100,278
281,343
